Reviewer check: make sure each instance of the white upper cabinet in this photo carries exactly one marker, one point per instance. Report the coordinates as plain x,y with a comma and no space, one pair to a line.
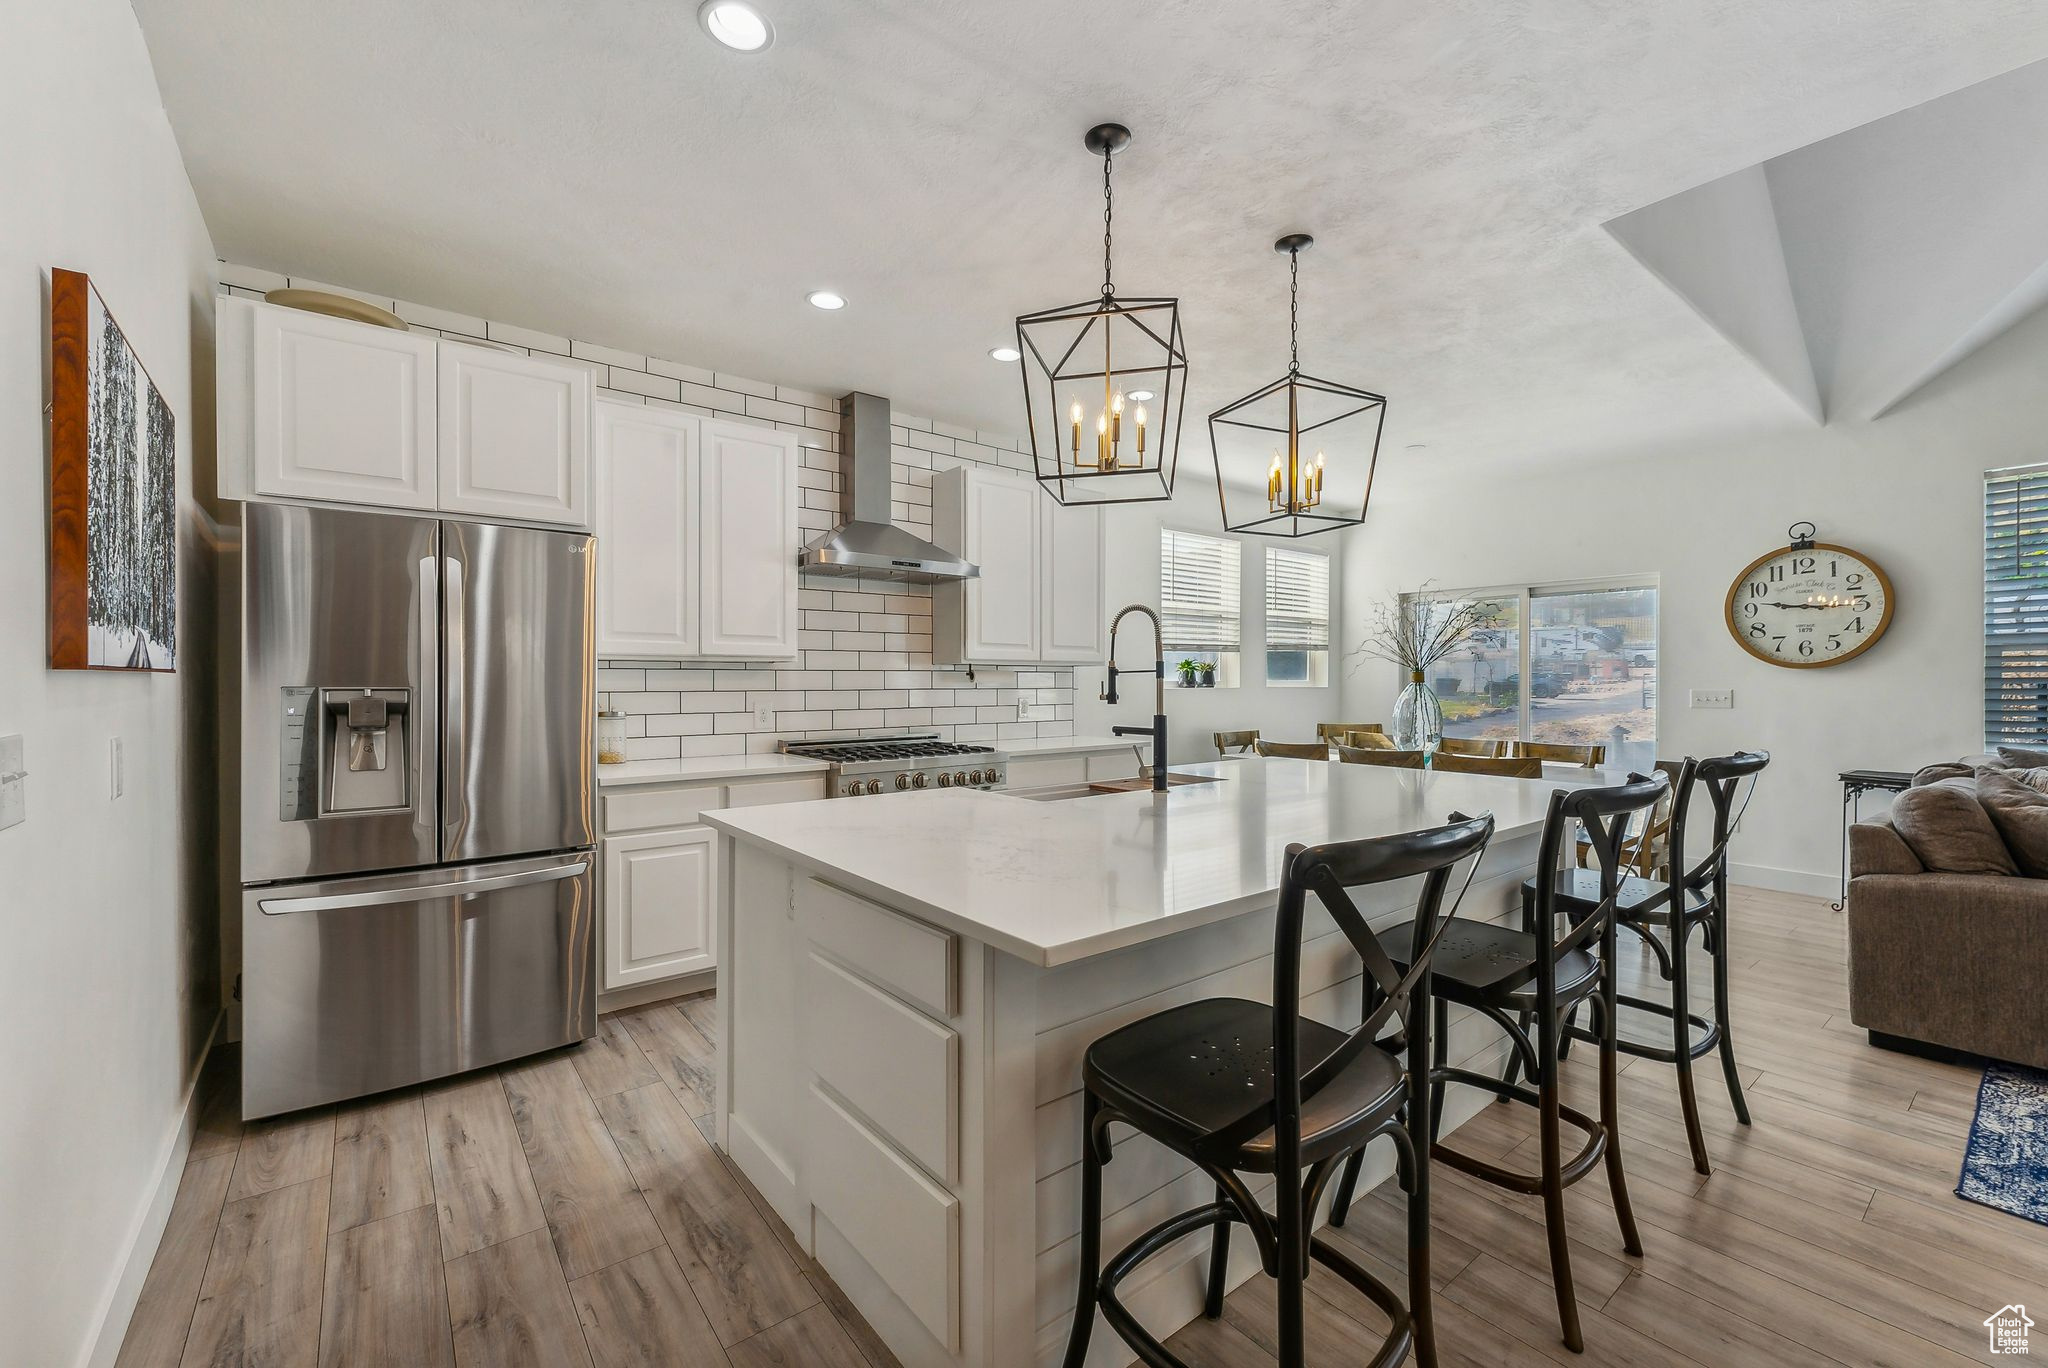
748,534
1039,597
313,407
647,588
339,410
1070,573
696,537
515,436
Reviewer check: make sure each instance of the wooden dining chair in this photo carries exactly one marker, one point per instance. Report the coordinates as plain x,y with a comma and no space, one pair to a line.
1367,740
1293,750
1507,766
1562,753
1234,742
1333,733
1484,746
1391,759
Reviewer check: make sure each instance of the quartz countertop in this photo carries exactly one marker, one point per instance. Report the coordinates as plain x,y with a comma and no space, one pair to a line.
1052,882
704,768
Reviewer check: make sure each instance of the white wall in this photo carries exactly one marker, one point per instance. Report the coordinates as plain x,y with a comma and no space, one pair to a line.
1906,490
105,986
1284,713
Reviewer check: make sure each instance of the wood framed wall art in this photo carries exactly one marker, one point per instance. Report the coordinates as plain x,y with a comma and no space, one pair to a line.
113,494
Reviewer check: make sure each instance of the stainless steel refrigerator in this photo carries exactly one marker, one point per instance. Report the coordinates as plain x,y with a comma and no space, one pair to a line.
417,780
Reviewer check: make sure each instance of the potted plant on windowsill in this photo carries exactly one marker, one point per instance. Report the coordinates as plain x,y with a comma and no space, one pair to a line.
1187,673
1207,670
1415,631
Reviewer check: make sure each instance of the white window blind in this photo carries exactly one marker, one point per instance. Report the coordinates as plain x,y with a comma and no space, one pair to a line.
2016,605
1297,600
1198,597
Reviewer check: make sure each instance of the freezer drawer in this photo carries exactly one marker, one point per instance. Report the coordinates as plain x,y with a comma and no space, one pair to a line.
352,986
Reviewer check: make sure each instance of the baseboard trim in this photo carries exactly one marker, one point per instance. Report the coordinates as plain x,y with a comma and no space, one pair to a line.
1827,886
640,994
118,1305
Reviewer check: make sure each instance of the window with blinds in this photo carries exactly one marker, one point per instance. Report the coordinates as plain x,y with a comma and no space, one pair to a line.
1297,617
1198,593
2016,606
1297,600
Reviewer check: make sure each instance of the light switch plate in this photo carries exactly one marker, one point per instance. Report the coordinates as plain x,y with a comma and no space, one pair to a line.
13,783
1713,698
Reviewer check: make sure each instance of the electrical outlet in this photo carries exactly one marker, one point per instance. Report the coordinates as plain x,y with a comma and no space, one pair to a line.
13,783
116,780
1029,712
1713,698
764,717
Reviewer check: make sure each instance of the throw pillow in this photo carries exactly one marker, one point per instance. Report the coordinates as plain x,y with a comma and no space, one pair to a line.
2036,778
1946,769
1950,830
2020,813
2023,757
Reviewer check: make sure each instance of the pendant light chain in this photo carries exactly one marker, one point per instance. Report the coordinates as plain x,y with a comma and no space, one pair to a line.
1294,312
1108,210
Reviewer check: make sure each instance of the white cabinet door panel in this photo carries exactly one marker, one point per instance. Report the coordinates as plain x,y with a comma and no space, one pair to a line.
747,540
1002,538
1070,571
515,436
648,590
342,411
660,903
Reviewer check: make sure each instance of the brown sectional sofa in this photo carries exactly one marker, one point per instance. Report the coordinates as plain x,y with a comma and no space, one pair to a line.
1954,961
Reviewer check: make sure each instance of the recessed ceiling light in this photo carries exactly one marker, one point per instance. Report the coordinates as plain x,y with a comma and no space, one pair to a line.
1004,353
825,299
736,24
1140,396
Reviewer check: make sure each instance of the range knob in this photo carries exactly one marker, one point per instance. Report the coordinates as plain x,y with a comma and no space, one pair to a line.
961,777
853,789
903,781
945,779
874,786
917,780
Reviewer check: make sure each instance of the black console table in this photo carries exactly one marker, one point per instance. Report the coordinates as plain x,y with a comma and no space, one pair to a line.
1856,783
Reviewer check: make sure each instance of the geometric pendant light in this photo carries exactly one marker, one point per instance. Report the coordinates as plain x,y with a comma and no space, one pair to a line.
1104,381
1293,436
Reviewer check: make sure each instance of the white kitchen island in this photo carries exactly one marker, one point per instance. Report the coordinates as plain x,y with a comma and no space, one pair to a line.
909,984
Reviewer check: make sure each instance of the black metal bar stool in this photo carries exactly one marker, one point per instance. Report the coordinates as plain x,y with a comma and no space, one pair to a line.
1242,1087
1514,976
1693,897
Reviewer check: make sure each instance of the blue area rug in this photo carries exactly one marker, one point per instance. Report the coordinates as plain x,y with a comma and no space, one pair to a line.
2006,1162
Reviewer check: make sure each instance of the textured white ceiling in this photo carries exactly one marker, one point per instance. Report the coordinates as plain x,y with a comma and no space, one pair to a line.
599,168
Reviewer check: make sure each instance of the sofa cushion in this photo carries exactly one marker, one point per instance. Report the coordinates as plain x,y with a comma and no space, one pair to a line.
1949,830
2023,757
1944,769
2036,778
2020,814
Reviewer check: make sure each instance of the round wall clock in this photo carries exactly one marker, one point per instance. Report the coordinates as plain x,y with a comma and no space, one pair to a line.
1809,604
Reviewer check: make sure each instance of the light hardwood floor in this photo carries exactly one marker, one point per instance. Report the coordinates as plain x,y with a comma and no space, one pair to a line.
568,1210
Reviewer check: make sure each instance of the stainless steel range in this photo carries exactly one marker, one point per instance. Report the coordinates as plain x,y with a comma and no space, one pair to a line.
889,764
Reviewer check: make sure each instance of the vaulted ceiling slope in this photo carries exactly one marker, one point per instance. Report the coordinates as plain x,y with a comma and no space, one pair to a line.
600,169
1857,268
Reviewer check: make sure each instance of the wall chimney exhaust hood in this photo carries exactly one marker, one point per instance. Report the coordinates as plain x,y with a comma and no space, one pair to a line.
867,543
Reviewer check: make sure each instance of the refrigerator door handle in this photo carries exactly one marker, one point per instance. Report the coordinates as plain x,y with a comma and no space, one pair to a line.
385,897
426,742
454,680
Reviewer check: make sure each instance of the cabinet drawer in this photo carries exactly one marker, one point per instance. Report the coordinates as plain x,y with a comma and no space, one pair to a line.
907,957
668,807
905,1226
760,792
1056,769
896,1065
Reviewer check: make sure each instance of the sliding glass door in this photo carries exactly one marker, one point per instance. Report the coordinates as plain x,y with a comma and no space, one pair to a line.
1568,663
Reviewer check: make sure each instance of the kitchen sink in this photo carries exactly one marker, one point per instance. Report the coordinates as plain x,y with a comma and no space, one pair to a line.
1062,792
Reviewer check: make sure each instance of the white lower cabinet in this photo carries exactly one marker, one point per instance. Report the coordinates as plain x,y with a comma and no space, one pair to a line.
660,905
662,876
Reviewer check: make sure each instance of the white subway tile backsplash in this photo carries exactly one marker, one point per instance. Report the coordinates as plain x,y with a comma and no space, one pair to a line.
739,383
676,370
640,382
610,356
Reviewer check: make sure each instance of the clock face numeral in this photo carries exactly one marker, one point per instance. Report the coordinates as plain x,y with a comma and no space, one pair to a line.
1814,606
